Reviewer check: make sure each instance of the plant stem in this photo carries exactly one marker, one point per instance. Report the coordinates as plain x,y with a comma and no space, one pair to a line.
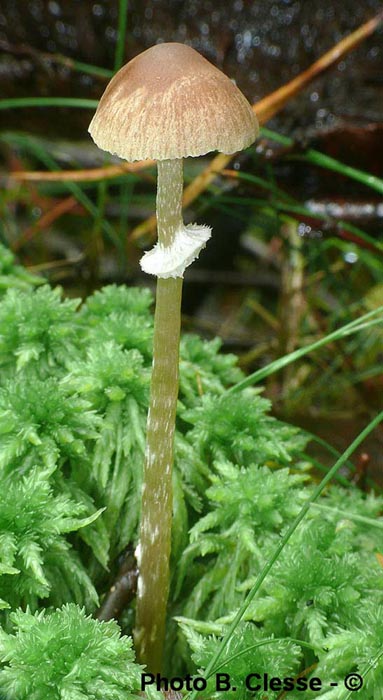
156,517
292,301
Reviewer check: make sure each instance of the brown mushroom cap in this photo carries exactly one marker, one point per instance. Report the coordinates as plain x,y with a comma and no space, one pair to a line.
170,102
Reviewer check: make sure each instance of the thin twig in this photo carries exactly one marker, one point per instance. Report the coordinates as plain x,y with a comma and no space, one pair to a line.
63,207
122,591
89,174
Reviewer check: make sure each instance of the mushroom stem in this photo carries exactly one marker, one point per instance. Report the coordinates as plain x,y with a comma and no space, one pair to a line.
169,200
156,516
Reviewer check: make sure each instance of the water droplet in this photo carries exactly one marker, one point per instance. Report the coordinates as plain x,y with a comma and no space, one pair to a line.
350,257
247,38
97,10
60,26
54,8
110,33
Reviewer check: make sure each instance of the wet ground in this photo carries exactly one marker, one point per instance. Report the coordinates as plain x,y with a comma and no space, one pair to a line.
260,44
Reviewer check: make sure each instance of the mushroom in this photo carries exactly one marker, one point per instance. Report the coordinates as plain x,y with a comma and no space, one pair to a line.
166,104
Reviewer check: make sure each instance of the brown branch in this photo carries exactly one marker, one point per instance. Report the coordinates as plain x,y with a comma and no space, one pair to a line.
270,105
45,220
89,174
122,591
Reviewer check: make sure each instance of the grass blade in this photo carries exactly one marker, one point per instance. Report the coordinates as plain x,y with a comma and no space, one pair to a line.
120,46
73,102
266,569
352,327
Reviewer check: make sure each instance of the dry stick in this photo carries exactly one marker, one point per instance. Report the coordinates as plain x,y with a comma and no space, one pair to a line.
267,108
85,175
49,217
292,303
122,591
156,520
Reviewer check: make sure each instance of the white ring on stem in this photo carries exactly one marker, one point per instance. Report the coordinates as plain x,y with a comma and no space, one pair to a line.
172,260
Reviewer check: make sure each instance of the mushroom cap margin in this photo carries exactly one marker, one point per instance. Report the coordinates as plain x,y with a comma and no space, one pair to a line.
170,102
